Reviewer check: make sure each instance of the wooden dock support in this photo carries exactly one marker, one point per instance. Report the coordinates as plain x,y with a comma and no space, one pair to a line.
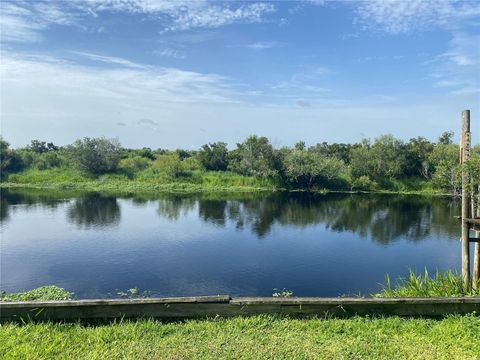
464,156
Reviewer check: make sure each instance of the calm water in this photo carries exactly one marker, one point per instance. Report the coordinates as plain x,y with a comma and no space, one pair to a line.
250,244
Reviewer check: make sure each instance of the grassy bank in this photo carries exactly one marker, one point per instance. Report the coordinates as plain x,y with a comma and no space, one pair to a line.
259,337
193,181
68,179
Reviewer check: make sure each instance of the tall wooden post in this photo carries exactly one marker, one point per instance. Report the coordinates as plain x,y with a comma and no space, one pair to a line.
464,156
476,251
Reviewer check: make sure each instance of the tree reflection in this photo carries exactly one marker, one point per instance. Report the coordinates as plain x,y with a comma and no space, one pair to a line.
94,210
173,206
384,218
29,199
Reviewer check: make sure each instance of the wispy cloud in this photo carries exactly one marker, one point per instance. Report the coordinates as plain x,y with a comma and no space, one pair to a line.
374,58
402,16
171,53
123,80
307,80
111,60
262,45
214,16
24,21
457,68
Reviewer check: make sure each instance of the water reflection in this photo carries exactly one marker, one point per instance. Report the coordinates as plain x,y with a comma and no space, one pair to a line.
28,200
94,210
237,244
384,218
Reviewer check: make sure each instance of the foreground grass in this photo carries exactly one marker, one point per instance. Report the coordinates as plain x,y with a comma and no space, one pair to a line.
259,337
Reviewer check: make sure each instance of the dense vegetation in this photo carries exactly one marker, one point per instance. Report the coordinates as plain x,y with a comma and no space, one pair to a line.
387,163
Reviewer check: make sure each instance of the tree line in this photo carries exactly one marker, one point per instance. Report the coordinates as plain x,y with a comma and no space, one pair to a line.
366,165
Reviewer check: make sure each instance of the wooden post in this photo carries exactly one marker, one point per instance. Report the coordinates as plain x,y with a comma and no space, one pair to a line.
464,156
476,251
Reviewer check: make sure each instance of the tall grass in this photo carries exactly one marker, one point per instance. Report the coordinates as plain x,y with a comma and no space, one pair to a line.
145,180
442,284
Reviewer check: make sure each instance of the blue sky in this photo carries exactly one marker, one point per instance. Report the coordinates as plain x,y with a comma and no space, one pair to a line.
182,73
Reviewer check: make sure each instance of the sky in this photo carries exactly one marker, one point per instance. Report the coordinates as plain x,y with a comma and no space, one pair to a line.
179,74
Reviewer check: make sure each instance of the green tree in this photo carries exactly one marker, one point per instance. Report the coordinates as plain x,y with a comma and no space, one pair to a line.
41,147
10,159
307,168
214,156
417,153
96,155
446,138
254,157
445,161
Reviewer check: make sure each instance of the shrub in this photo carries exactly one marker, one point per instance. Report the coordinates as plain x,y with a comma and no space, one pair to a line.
363,183
134,164
96,155
171,165
47,160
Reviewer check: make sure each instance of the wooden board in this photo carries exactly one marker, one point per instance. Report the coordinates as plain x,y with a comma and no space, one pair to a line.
212,306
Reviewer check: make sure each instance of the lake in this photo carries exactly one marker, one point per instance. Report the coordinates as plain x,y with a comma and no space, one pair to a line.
238,244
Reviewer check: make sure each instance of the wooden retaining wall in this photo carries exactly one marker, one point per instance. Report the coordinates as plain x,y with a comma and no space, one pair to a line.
224,306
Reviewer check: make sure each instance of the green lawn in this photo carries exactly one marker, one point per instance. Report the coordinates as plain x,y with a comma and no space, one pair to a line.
260,337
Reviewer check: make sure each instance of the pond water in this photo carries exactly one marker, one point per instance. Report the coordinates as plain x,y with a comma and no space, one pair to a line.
238,244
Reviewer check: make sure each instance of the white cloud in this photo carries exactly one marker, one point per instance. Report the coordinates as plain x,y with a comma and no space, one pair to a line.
26,75
111,60
169,52
24,24
214,16
457,69
262,45
401,16
305,81
24,21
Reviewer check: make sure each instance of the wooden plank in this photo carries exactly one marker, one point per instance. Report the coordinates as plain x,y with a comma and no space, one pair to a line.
181,308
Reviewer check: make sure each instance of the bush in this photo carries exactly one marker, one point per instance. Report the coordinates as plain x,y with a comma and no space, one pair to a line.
47,160
364,183
171,165
96,155
134,164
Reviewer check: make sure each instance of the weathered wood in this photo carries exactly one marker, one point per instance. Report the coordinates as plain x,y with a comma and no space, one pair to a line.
464,156
202,307
476,249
